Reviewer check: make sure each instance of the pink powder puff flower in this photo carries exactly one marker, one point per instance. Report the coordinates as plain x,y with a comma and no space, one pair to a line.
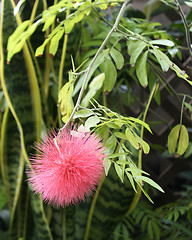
67,167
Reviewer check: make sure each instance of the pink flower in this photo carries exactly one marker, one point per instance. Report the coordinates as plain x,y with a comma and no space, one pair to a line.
67,166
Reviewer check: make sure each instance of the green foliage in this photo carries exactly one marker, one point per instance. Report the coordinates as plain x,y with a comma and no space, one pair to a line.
109,52
178,135
170,221
81,8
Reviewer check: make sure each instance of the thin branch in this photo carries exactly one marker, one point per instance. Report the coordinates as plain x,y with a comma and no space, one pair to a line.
187,32
87,71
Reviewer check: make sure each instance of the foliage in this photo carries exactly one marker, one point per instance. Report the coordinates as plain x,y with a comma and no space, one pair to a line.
170,221
79,61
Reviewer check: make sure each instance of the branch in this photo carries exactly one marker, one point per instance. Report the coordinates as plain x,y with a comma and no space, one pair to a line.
87,71
187,32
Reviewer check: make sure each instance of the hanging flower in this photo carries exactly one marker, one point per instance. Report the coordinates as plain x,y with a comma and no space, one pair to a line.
67,167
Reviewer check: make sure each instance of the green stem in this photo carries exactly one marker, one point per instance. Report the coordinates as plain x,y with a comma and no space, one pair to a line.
138,194
182,108
47,63
92,208
34,10
64,224
61,67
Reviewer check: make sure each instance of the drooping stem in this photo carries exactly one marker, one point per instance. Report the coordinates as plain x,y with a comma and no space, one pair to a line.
88,69
138,193
182,108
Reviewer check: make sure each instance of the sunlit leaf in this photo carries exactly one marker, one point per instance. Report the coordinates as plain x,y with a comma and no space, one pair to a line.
163,60
131,138
65,100
189,4
164,42
145,146
83,113
54,43
117,57
91,122
150,182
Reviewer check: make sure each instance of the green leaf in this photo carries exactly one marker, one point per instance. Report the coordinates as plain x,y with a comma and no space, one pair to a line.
125,232
94,86
188,106
15,42
69,26
48,21
156,230
16,34
3,197
119,172
180,73
173,138
101,58
163,42
83,113
141,70
54,43
120,135
150,182
109,69
130,177
188,4
163,60
42,227
118,155
137,120
131,138
136,171
39,51
107,165
145,146
117,57
183,140
91,122
178,138
135,49
66,101
111,144
149,229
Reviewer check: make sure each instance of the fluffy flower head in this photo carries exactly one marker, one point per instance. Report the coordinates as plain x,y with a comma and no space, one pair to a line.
67,167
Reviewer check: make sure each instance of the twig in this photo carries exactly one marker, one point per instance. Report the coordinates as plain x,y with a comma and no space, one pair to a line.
187,32
87,71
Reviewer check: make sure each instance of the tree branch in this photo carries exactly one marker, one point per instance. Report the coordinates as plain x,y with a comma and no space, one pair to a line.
87,71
